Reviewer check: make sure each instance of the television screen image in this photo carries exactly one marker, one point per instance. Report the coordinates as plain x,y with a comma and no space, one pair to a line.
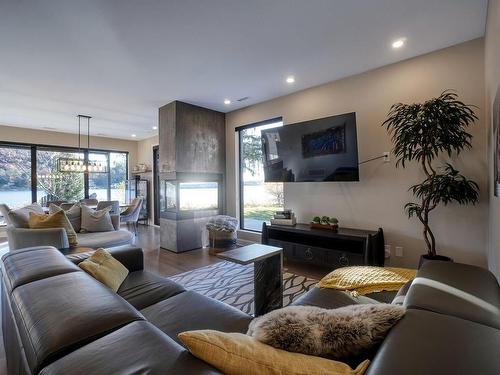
324,149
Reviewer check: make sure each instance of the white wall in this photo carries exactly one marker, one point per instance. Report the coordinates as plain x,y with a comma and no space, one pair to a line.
378,199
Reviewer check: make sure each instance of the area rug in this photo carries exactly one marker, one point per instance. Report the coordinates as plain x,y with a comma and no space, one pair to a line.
232,283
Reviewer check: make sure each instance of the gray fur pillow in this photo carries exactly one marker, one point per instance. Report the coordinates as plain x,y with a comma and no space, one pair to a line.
338,334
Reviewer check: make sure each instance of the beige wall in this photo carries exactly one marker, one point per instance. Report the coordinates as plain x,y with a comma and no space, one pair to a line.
45,137
145,156
492,74
379,197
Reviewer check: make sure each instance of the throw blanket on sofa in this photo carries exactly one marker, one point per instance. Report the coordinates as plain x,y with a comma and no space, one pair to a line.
361,280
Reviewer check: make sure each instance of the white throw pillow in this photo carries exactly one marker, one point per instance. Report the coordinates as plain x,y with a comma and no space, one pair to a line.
96,220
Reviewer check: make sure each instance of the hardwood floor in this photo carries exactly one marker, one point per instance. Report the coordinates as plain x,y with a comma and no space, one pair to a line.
168,263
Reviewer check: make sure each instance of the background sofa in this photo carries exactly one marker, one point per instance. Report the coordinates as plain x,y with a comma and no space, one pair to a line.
59,320
20,238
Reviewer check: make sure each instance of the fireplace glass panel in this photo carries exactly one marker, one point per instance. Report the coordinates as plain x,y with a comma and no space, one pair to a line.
198,195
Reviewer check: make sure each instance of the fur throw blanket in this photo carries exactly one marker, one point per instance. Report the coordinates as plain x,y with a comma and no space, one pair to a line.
338,333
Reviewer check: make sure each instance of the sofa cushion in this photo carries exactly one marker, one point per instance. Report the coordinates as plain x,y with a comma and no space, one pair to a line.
96,220
330,299
191,311
461,290
238,354
105,239
142,289
31,264
55,220
20,218
148,351
103,267
74,214
58,314
424,342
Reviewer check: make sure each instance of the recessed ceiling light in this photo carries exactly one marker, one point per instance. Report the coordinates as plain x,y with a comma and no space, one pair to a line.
133,135
290,79
398,43
227,101
155,127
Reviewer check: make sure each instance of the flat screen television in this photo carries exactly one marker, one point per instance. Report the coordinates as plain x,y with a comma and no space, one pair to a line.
324,149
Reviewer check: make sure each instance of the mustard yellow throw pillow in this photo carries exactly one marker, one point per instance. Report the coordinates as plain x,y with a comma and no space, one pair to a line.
367,279
103,267
55,220
239,354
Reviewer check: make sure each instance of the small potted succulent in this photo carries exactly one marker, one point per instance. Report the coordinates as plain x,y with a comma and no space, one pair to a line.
325,222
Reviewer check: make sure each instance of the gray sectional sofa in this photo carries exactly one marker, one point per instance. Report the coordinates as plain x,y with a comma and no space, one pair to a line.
452,325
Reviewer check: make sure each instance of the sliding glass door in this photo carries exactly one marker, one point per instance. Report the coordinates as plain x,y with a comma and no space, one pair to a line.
30,173
15,177
99,182
118,175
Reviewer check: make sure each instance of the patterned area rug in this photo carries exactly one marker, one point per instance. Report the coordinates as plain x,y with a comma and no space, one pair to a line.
232,283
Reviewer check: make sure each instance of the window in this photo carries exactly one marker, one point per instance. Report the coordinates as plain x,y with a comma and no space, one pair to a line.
99,184
258,199
23,165
53,185
118,175
15,177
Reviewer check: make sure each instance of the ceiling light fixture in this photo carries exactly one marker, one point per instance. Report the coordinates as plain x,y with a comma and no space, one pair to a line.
133,135
227,101
155,127
290,79
82,164
398,43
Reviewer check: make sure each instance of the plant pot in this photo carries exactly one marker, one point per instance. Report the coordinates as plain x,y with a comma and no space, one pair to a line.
428,258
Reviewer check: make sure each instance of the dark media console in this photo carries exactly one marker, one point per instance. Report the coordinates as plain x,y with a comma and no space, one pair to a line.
325,248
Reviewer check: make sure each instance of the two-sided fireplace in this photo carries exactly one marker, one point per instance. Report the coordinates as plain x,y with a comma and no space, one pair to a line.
192,165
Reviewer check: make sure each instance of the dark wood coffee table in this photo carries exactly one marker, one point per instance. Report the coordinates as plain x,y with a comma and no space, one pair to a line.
267,273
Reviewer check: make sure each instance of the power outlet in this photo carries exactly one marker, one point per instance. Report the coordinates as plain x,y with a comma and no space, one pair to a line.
387,250
387,156
399,251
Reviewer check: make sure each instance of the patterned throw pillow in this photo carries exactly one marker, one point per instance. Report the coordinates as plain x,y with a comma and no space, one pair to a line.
96,220
55,220
342,333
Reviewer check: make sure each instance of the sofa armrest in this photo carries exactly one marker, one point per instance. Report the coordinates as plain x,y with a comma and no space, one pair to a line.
115,220
19,238
130,256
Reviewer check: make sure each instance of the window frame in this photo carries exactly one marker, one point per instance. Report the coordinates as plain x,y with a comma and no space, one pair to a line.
34,147
241,186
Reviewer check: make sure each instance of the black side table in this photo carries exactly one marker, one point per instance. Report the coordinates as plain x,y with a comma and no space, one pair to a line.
268,274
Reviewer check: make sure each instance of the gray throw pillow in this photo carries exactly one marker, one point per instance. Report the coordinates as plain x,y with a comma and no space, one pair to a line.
20,218
338,333
74,214
96,220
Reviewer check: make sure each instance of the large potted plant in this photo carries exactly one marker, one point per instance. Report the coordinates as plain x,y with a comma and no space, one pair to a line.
421,132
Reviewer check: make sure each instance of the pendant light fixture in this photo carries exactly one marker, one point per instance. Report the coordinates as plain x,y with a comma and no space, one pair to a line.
80,165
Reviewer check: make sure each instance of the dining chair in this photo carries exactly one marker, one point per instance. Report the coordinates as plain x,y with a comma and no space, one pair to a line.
89,202
131,214
115,206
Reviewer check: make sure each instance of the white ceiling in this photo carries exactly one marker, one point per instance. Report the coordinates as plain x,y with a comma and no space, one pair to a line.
120,60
